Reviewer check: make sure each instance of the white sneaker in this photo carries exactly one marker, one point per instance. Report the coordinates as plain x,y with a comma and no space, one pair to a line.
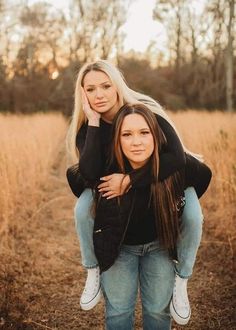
92,291
179,306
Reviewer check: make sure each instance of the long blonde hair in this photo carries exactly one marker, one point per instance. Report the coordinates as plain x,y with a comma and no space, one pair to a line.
125,95
165,194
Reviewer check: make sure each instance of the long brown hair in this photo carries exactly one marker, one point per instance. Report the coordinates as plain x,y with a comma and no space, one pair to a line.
163,194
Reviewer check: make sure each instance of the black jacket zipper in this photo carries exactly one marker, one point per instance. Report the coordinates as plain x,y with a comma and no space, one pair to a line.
128,221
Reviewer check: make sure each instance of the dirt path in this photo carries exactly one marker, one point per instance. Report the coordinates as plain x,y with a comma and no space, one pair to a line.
42,281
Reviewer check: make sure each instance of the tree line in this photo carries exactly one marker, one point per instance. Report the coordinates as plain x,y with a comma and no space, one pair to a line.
42,49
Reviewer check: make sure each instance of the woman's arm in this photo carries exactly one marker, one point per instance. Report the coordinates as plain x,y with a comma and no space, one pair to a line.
173,158
197,175
79,180
88,143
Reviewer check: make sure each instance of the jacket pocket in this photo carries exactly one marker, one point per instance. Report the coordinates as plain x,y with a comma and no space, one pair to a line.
105,246
101,230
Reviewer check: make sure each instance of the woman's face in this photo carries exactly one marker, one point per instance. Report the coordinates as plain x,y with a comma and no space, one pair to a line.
136,140
101,93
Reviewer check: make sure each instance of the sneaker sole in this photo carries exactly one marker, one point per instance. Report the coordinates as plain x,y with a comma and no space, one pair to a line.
178,319
92,303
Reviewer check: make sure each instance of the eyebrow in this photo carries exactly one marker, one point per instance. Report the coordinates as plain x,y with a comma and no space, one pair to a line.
141,129
105,82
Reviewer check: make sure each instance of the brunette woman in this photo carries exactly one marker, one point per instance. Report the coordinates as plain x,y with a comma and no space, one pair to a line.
99,94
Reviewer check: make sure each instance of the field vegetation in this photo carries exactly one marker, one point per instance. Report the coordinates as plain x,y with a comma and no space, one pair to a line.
41,278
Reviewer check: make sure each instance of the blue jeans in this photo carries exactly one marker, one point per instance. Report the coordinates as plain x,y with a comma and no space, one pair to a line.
191,231
84,224
190,234
149,268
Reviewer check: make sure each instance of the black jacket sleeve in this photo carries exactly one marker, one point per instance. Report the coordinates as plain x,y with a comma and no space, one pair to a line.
172,158
89,144
75,180
197,175
85,174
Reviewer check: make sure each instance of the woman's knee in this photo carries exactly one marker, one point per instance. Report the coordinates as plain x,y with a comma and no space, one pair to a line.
157,320
192,216
120,285
158,306
119,313
192,222
118,299
119,321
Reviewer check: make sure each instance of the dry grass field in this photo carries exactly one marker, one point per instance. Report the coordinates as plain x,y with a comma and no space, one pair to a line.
41,278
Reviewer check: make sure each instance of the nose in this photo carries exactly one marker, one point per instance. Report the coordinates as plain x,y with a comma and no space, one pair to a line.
99,93
136,140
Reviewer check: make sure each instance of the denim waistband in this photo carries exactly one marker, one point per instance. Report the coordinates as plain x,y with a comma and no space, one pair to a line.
141,249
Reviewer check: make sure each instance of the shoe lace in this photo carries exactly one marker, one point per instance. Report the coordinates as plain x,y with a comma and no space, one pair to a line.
90,288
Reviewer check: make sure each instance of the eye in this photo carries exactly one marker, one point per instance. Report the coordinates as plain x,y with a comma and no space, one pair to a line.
126,134
107,86
89,90
145,132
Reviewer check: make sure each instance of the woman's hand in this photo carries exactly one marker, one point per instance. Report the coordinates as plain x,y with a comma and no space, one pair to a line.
114,185
93,116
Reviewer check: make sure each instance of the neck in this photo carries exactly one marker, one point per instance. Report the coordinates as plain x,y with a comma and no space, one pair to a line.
136,165
110,114
107,119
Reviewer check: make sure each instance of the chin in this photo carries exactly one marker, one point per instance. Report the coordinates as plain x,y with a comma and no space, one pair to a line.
138,162
102,110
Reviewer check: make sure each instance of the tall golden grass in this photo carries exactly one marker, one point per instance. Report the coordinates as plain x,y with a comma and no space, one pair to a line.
213,134
28,149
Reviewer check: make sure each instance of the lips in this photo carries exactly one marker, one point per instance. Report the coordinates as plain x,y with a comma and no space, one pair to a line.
100,104
137,151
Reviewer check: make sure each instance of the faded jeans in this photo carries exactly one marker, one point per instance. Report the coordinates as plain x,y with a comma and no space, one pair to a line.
188,244
145,267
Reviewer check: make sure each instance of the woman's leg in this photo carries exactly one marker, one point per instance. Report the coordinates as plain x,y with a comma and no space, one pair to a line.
120,287
84,224
156,286
190,234
188,244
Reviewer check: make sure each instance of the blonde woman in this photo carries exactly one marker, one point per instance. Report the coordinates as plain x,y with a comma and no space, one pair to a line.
100,92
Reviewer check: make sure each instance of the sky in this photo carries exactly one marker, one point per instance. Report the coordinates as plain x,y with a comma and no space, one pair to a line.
140,28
